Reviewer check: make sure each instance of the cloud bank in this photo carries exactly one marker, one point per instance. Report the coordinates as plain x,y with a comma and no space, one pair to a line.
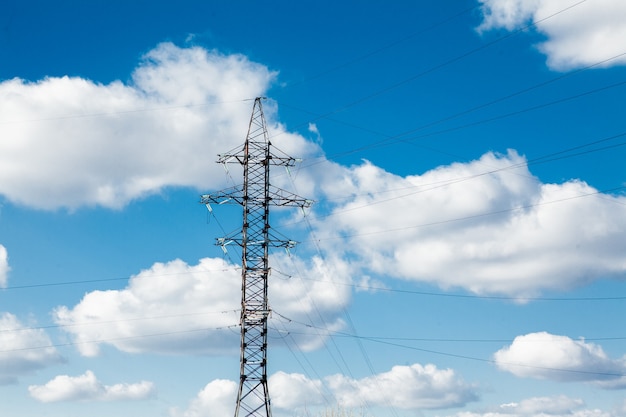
86,387
405,387
216,399
169,308
488,226
556,406
176,308
546,356
105,145
578,34
23,350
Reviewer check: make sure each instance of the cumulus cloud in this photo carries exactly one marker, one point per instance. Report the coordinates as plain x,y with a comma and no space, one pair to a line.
96,144
546,356
577,33
4,267
556,406
316,294
216,399
86,387
176,308
23,350
292,391
487,225
406,387
171,307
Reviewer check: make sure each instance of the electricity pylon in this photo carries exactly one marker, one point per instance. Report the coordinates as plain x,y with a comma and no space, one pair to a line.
256,195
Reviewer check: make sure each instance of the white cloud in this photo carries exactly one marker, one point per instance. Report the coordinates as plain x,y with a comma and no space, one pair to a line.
547,405
488,226
4,267
86,387
23,350
176,308
314,129
581,35
559,358
556,406
291,391
96,144
508,14
216,399
316,294
406,387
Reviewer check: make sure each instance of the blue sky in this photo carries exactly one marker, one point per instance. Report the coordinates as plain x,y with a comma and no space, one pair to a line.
465,254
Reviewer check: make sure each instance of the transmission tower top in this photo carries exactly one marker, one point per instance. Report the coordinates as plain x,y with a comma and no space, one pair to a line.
255,196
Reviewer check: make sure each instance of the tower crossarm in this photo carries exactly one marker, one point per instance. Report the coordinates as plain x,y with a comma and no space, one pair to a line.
272,242
239,158
257,152
255,196
276,197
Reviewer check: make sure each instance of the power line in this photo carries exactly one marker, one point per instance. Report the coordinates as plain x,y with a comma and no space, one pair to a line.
340,334
346,314
475,216
64,284
116,339
401,137
386,341
385,47
492,361
551,157
124,320
93,281
358,101
436,67
356,286
255,196
472,296
124,112
543,159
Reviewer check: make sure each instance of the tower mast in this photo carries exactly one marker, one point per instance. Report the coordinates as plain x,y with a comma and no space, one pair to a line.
256,195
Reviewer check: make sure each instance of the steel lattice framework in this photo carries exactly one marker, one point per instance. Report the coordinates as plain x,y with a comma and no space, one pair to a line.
256,195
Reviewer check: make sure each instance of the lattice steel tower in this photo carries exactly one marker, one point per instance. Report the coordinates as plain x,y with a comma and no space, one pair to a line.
256,195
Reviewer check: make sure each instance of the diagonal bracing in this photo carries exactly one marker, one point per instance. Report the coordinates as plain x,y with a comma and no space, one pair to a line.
256,195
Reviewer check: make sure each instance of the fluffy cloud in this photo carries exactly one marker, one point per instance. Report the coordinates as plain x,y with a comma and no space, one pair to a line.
86,387
23,350
169,308
558,406
216,399
4,267
288,392
406,387
316,295
582,34
291,391
105,145
488,226
177,308
559,358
